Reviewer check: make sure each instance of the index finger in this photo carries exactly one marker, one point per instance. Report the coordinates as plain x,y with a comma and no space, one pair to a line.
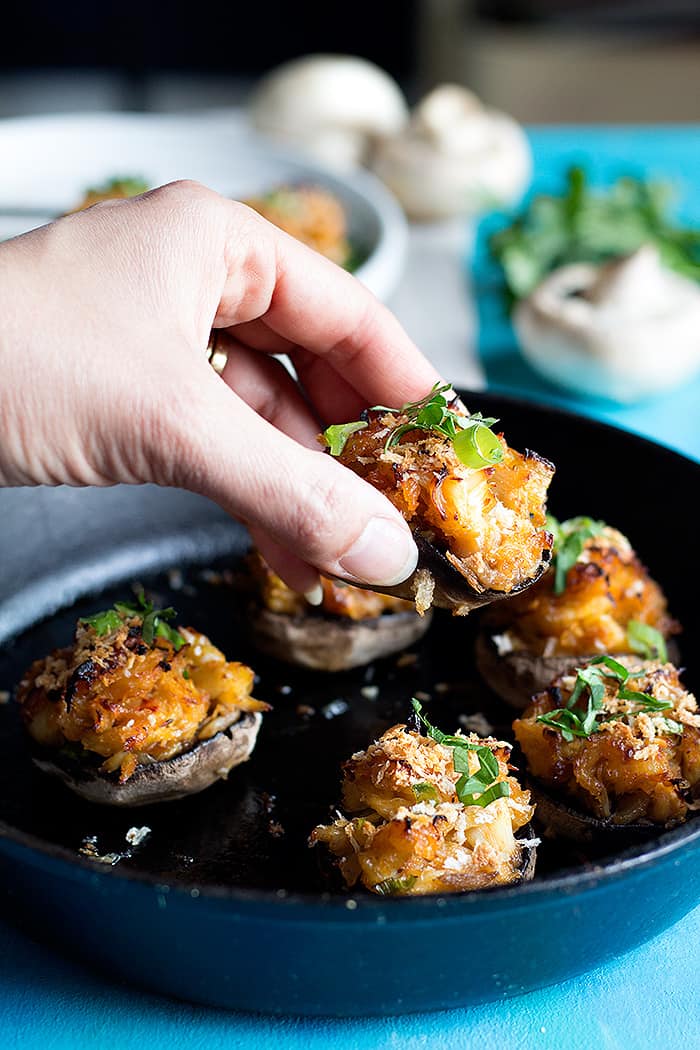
312,303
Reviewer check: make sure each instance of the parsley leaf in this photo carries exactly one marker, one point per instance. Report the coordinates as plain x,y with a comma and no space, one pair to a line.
154,621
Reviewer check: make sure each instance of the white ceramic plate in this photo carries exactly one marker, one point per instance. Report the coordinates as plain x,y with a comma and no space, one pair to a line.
46,163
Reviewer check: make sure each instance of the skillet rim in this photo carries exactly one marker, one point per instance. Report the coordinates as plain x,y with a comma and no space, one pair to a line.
570,882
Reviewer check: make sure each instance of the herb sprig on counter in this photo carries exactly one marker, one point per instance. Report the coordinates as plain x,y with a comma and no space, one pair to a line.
591,225
154,621
474,442
569,541
585,710
472,789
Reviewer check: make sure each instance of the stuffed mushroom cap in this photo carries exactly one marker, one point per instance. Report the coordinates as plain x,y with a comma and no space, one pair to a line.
406,830
616,744
604,602
136,711
476,507
350,628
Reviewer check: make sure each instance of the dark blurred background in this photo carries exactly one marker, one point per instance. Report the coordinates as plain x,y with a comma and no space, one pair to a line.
542,60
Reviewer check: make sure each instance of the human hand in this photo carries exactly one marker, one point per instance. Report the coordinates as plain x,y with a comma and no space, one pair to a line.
104,316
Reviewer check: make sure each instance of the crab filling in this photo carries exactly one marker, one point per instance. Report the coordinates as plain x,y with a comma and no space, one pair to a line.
488,521
130,701
407,832
606,588
637,760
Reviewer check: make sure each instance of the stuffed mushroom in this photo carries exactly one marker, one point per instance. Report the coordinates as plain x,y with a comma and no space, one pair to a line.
597,597
349,628
476,507
430,813
612,750
136,711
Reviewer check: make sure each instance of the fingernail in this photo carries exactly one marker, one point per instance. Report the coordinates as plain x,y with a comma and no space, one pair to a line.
384,554
315,595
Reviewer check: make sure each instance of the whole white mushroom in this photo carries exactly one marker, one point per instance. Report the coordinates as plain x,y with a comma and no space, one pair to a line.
334,107
455,157
625,330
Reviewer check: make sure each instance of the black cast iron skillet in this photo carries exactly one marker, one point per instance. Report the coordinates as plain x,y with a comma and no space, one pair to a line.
223,903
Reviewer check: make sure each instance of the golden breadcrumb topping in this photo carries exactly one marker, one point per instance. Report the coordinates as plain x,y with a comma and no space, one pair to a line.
339,599
637,765
407,832
130,702
606,588
489,521
309,213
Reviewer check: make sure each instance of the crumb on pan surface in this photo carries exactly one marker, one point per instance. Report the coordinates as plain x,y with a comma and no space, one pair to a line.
407,833
129,702
637,765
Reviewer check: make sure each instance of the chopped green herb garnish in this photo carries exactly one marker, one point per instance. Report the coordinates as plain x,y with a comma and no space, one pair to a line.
103,622
591,225
647,641
672,726
569,541
186,673
389,886
154,621
472,789
425,791
337,435
474,442
577,720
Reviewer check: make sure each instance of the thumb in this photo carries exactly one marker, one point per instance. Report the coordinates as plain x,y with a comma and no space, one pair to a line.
308,503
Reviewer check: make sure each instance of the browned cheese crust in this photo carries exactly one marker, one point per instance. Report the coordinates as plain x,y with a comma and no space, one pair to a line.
633,769
400,845
130,703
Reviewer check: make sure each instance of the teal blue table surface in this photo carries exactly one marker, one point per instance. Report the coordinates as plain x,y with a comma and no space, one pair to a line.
647,999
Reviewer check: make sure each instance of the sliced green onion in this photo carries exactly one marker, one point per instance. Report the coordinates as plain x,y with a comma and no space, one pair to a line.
395,885
425,792
477,446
